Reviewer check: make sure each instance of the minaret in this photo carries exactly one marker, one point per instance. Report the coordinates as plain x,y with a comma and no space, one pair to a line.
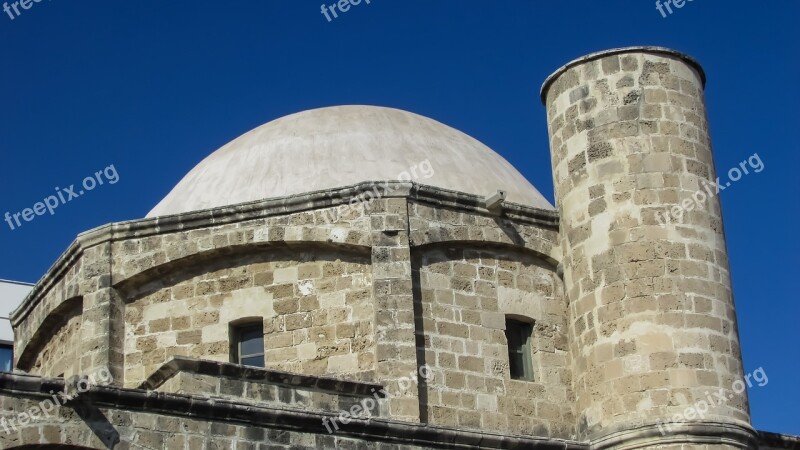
652,320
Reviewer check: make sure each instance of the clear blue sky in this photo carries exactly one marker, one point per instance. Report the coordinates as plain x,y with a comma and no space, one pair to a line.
152,87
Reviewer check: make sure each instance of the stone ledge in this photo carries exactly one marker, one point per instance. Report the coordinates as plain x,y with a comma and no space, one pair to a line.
707,432
767,440
329,385
197,407
325,199
384,430
472,203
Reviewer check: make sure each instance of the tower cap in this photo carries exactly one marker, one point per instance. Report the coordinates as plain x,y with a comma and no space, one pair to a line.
618,51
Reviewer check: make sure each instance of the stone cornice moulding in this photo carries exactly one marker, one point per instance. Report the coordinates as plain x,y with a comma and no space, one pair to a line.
269,208
51,277
645,49
708,432
767,440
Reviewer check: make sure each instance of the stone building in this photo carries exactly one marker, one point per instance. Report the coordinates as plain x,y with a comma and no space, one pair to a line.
366,278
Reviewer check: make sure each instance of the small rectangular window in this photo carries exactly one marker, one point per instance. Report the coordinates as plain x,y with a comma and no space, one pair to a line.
6,357
518,335
247,345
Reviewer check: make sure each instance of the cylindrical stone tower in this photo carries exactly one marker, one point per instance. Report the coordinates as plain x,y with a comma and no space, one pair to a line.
654,337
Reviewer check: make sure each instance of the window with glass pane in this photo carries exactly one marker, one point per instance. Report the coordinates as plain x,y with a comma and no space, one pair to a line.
518,335
248,345
6,357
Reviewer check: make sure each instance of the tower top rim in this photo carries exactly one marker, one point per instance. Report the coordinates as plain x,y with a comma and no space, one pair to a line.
618,51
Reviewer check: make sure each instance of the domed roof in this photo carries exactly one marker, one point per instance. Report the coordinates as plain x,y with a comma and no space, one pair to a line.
340,146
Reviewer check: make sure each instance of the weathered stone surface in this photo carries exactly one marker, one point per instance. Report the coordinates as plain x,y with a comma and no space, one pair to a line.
626,267
466,344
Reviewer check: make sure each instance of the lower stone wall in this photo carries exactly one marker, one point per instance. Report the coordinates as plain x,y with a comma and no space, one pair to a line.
98,428
83,426
105,417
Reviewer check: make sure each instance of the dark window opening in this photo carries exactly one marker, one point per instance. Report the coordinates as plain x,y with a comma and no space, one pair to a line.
247,344
519,335
6,357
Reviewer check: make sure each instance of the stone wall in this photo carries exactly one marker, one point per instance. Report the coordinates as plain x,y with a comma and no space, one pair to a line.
535,230
652,321
333,284
56,294
59,354
316,307
141,430
83,272
53,349
106,417
267,394
267,387
466,294
394,307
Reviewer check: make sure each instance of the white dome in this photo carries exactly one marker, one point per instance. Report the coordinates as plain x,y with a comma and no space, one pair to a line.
340,146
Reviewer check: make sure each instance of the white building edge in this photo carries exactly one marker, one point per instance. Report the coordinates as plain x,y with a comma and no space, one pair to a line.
11,295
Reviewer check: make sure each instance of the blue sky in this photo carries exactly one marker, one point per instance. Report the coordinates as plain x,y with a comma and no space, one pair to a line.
153,87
